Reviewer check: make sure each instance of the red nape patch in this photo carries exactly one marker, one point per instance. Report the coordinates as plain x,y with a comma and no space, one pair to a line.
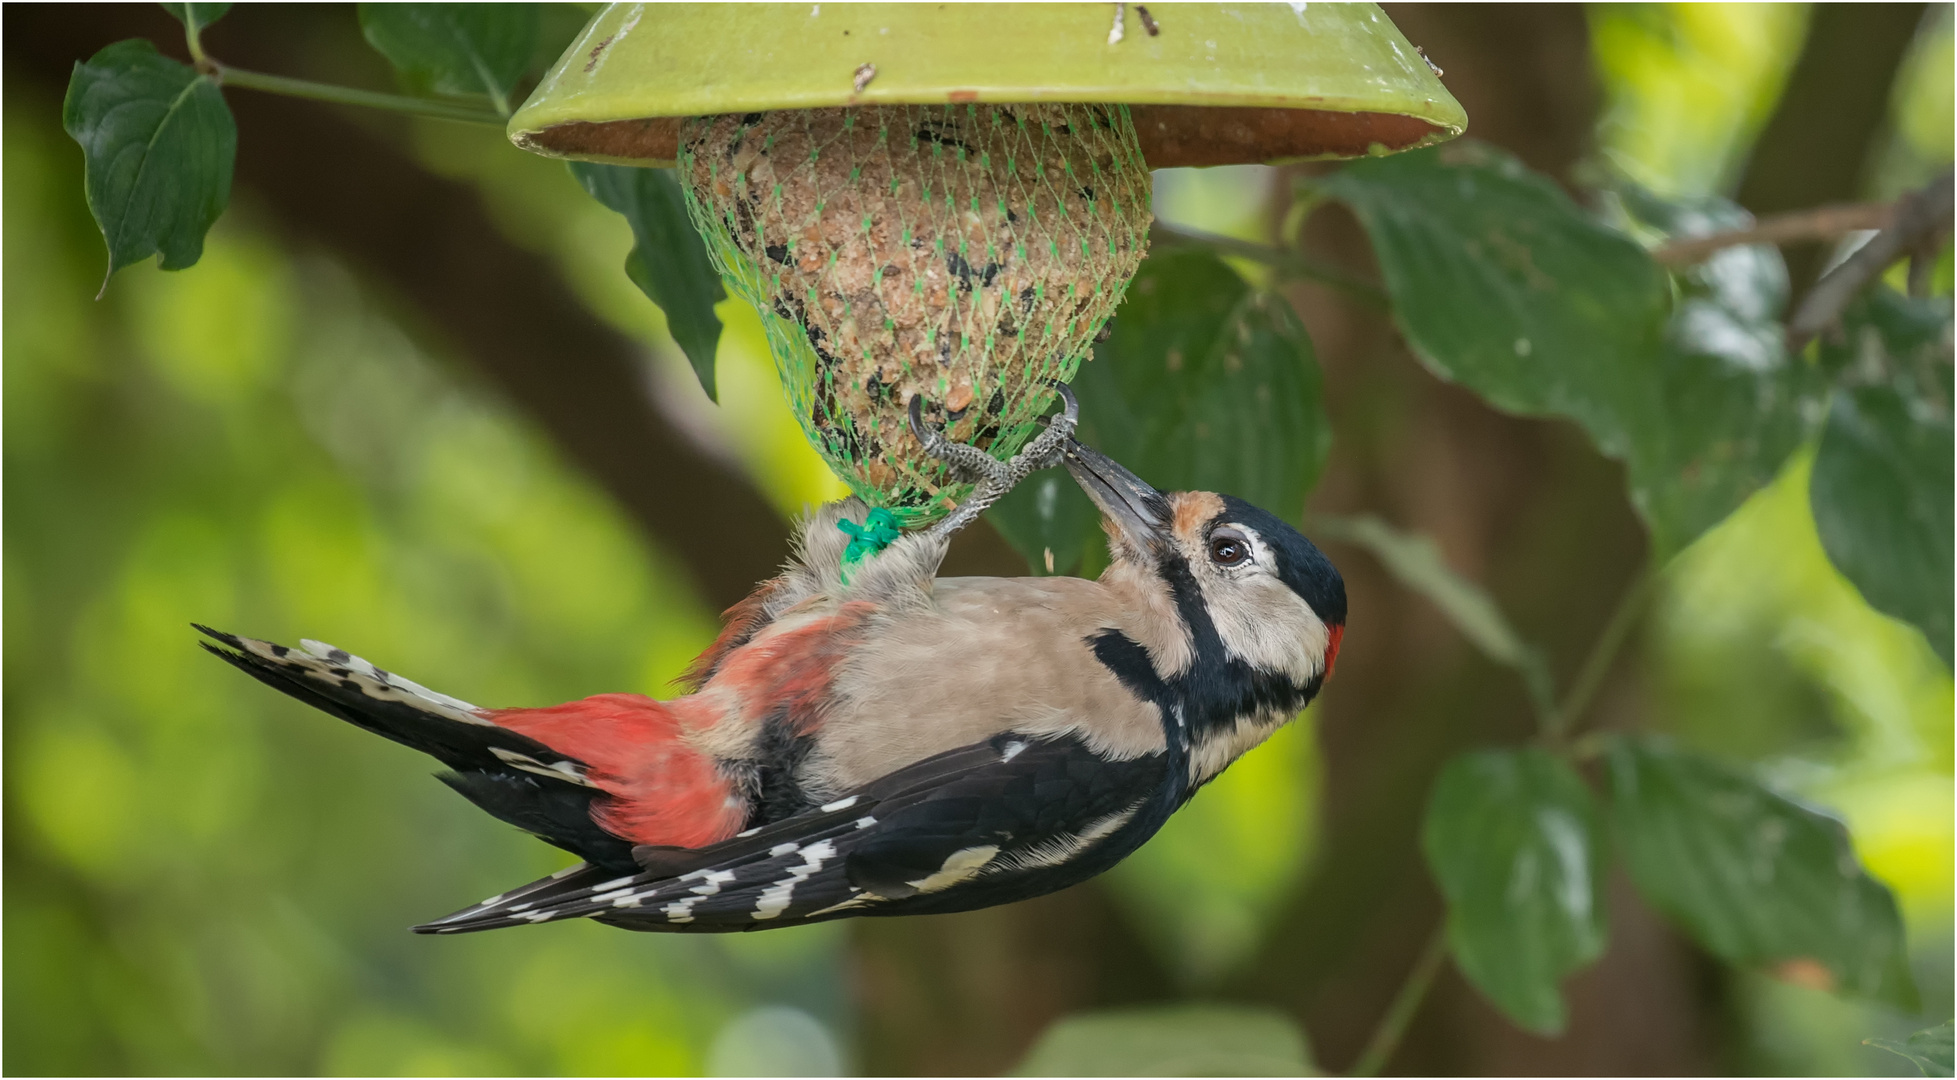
1333,636
661,790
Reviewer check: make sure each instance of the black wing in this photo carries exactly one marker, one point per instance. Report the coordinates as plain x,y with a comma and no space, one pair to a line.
1013,817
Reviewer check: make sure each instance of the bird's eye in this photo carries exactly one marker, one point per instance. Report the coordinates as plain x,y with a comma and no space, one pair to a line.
1228,547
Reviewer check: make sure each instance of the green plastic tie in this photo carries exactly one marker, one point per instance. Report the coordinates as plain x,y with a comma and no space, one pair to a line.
878,531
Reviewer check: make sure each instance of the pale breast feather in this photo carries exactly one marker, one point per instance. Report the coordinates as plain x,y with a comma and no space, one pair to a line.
988,656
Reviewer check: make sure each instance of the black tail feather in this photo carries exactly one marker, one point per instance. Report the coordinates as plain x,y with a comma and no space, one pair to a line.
510,907
558,814
513,777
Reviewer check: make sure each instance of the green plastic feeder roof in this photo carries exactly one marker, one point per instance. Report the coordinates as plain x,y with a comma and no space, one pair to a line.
1207,84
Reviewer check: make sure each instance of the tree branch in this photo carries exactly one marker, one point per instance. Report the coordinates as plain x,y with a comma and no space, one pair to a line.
1820,223
1815,147
1393,1024
1603,652
1923,217
350,95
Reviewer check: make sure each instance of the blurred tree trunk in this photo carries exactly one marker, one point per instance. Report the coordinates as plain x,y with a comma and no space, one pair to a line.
1531,510
343,181
1817,146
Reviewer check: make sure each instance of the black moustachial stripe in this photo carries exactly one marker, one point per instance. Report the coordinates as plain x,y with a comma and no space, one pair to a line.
1218,689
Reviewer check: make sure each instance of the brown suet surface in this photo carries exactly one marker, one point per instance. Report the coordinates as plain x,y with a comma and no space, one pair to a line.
967,253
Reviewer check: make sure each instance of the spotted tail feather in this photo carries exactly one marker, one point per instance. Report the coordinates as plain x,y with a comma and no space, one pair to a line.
512,776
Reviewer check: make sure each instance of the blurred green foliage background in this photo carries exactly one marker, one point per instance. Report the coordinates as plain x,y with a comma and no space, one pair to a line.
204,877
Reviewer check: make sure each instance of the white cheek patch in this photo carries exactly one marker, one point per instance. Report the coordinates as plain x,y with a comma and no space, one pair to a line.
1262,622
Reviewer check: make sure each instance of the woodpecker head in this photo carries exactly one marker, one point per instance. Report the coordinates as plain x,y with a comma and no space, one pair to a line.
1251,595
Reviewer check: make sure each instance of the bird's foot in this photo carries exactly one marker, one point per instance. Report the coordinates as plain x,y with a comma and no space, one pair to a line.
994,477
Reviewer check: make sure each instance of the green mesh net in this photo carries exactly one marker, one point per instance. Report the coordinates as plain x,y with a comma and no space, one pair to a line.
968,253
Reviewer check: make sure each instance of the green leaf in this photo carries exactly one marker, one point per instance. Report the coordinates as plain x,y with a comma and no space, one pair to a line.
1881,486
1415,561
1514,840
668,262
558,28
1203,384
195,17
1206,383
1177,1040
1929,1049
1755,877
158,143
1502,284
1733,405
462,49
1888,336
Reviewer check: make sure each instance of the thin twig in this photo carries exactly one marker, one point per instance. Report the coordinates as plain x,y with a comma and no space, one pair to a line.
1603,652
347,95
1393,1024
193,37
1817,223
1289,263
1922,217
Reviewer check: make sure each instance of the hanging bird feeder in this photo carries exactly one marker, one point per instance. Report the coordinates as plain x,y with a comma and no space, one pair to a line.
949,200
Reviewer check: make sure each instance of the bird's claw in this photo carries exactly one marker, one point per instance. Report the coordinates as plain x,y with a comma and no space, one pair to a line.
969,460
994,477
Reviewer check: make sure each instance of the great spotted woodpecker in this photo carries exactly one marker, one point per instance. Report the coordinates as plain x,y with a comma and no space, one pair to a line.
887,742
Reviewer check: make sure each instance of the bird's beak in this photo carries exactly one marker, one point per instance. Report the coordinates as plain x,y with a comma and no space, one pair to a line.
1137,510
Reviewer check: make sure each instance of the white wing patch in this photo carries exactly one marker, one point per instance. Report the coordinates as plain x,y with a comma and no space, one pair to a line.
861,899
681,910
960,865
755,886
1064,848
775,898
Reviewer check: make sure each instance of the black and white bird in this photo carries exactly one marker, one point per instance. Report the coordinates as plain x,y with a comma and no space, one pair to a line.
885,741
